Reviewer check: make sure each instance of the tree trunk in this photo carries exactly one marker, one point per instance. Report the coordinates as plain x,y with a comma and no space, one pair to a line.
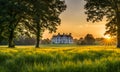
10,41
37,40
37,36
118,29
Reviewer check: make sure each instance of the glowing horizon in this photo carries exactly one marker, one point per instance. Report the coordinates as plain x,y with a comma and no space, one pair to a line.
73,20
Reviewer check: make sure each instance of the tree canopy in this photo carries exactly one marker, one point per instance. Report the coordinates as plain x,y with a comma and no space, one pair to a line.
29,17
97,10
89,39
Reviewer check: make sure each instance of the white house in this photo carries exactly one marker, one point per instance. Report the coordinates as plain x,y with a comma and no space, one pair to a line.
62,39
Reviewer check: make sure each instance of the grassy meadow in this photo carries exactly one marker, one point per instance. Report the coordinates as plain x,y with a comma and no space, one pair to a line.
60,58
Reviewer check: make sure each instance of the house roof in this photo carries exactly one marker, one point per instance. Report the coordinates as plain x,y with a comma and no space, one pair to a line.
62,35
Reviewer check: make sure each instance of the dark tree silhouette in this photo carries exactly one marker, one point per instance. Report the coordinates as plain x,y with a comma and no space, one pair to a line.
89,39
29,17
11,12
45,15
98,9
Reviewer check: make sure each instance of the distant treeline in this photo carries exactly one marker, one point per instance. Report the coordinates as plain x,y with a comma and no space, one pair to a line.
21,41
26,41
87,40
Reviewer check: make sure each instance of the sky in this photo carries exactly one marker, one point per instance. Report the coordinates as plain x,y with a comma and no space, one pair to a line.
73,20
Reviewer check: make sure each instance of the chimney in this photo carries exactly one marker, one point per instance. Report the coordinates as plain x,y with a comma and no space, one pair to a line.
70,34
58,33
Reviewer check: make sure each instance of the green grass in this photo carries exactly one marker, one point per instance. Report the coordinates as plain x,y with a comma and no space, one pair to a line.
56,58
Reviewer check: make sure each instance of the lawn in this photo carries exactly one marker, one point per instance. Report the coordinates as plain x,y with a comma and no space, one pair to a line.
60,58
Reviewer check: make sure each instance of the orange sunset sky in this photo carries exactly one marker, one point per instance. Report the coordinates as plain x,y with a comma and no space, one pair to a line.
73,20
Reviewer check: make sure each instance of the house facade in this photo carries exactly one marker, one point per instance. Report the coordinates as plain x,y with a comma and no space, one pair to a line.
62,39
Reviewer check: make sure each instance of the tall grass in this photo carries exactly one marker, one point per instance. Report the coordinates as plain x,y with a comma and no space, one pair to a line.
59,60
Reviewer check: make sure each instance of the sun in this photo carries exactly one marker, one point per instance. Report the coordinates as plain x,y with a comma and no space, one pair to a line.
107,37
108,40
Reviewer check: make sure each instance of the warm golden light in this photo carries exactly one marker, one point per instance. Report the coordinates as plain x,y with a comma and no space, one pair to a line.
107,37
73,20
108,40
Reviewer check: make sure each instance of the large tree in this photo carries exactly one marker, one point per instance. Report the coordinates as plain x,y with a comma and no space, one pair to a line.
45,15
12,12
10,16
29,17
97,10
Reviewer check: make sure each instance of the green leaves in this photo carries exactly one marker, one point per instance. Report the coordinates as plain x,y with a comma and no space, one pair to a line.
29,17
98,9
